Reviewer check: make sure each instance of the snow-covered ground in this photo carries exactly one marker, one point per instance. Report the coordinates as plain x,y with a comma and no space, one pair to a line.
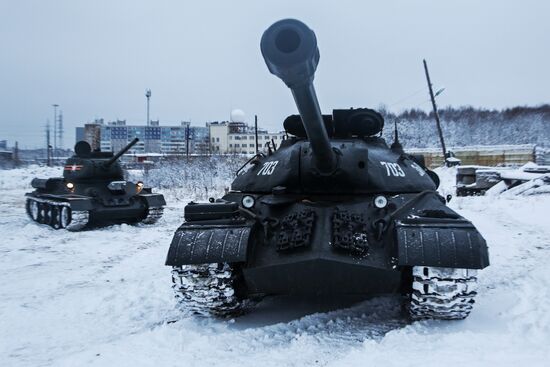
103,298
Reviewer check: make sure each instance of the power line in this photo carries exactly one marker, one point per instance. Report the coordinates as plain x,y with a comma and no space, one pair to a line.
408,96
415,93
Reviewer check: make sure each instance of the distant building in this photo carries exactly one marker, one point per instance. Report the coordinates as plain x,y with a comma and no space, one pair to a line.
239,138
92,133
6,155
80,134
113,136
227,137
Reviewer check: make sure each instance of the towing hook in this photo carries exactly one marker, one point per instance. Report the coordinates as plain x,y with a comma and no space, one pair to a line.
380,227
268,224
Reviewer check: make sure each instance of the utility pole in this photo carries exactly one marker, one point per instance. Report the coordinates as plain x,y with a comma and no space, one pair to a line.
436,114
256,131
60,129
148,95
16,154
48,146
187,142
54,129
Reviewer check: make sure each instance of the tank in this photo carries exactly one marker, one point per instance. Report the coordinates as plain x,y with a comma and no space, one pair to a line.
92,193
333,210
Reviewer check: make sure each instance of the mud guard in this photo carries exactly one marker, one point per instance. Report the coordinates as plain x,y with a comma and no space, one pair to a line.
153,200
80,204
441,243
203,244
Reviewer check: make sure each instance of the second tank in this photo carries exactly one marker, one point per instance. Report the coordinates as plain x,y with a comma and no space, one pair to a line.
91,193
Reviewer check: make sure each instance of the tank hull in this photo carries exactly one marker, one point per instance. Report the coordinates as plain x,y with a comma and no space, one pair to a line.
289,245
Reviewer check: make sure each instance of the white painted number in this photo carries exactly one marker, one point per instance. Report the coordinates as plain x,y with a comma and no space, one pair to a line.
418,169
268,168
393,169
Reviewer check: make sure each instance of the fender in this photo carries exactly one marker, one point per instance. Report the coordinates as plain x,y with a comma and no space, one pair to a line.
199,243
440,242
153,200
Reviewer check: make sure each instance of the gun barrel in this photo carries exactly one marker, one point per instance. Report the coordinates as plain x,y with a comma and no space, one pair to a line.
290,52
121,152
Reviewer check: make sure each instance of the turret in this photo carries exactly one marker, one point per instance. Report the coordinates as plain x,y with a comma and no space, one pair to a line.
86,165
290,52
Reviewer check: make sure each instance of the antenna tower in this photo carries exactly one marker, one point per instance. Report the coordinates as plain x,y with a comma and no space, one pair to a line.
60,129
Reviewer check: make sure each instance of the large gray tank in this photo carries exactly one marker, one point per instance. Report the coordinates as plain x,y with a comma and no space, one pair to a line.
333,210
91,193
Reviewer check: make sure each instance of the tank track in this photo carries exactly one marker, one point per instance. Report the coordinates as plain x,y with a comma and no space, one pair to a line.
442,293
153,215
208,289
56,214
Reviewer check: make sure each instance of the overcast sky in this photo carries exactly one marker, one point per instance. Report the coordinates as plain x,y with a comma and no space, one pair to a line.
201,59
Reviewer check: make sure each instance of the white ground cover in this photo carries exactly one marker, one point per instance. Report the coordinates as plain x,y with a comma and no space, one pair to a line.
103,298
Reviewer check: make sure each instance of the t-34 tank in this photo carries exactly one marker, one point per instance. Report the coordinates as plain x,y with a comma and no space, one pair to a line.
92,192
332,211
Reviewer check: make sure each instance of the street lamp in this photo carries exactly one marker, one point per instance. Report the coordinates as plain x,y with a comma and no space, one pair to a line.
148,95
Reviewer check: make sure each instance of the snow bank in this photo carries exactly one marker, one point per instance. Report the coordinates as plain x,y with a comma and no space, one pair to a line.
538,185
535,178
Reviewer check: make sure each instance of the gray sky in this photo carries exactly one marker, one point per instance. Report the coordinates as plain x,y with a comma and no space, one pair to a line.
201,59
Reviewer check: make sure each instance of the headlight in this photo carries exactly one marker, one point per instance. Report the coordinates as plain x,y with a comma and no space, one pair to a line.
380,201
248,201
70,185
139,186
